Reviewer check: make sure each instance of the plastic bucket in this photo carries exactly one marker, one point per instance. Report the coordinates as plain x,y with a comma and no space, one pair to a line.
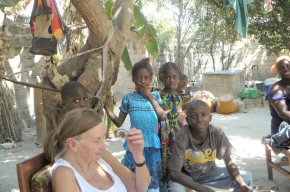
250,93
260,86
227,104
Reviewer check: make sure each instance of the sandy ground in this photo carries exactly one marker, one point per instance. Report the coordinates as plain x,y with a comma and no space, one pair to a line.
243,129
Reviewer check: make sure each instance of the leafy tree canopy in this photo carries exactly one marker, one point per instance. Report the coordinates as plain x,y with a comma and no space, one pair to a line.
269,23
8,3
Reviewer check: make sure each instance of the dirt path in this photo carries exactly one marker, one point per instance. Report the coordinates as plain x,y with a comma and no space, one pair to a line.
243,129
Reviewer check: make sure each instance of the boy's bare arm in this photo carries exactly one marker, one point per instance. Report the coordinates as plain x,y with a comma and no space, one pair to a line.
179,177
118,121
235,173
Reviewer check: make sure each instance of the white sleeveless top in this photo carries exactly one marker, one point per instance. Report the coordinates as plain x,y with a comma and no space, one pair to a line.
118,185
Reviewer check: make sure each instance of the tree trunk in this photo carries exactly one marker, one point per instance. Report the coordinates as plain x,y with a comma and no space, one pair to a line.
178,35
41,130
88,68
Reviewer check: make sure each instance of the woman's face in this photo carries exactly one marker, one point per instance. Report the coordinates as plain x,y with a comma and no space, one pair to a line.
284,69
92,143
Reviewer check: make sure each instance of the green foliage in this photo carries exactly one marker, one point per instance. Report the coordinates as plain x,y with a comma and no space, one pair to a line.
8,3
140,19
139,3
126,59
150,36
271,28
145,30
166,34
180,36
152,46
109,8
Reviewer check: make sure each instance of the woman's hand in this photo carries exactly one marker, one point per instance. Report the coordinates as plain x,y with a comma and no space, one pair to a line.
136,143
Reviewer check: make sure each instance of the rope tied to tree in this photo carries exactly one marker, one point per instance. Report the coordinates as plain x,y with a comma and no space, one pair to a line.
2,70
2,73
105,60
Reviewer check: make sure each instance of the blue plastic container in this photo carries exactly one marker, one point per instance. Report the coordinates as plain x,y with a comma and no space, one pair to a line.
269,82
267,88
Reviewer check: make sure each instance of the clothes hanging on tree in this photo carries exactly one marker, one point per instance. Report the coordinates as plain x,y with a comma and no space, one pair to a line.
242,18
46,26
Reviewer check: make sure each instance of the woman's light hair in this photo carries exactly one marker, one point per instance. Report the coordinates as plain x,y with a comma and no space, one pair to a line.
75,122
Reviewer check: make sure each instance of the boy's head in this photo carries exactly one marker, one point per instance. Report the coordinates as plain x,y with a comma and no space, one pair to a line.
198,115
183,82
142,72
74,95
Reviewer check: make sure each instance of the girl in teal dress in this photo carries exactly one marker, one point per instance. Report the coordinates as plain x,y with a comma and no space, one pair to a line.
143,107
169,75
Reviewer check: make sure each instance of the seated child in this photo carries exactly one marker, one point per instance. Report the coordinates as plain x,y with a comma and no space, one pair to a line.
192,164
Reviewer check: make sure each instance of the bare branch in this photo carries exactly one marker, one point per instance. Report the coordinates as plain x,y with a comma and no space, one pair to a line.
123,17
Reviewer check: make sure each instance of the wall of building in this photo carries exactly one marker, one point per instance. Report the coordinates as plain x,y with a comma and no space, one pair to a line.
16,41
224,82
248,56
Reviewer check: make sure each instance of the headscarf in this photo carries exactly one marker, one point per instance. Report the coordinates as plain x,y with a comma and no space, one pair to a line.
274,68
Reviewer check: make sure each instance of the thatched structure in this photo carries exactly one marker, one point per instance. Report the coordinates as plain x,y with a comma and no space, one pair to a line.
10,126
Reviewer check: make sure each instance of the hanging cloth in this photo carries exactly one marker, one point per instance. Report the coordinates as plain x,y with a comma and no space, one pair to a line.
242,18
46,25
57,24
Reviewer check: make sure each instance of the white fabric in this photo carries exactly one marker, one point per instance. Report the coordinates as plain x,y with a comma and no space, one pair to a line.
118,185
